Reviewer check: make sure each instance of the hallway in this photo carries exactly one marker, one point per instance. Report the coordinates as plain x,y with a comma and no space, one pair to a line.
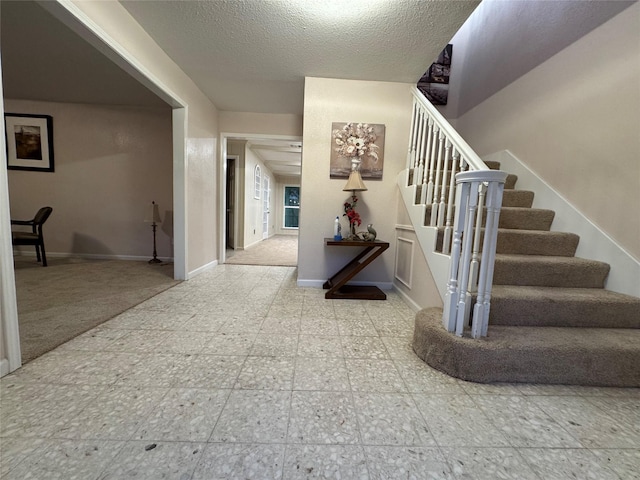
278,250
238,373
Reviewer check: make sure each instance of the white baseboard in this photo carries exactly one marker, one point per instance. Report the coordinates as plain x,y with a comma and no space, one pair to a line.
594,243
4,367
413,305
202,269
92,256
318,284
310,283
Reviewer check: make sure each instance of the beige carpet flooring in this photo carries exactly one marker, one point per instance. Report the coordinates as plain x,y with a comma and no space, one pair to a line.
279,250
71,295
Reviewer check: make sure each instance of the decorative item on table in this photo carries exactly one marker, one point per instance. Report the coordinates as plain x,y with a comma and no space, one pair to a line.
354,184
363,141
153,217
353,217
370,234
337,230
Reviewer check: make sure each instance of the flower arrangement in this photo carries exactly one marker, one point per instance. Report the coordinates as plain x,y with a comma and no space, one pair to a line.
352,215
356,140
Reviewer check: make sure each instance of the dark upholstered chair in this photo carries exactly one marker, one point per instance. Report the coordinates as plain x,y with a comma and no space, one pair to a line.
35,236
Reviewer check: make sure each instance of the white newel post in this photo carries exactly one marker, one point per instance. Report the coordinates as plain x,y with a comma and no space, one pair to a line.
480,322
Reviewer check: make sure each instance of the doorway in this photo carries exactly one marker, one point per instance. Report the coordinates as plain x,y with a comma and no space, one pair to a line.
230,212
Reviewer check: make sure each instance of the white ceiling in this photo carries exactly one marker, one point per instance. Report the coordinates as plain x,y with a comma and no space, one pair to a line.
282,157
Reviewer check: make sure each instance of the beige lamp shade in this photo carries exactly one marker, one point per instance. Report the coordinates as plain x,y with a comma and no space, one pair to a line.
355,183
153,214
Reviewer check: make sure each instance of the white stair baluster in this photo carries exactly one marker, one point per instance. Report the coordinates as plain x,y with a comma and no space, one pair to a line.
446,242
443,189
412,136
427,189
417,172
432,163
477,236
436,187
420,149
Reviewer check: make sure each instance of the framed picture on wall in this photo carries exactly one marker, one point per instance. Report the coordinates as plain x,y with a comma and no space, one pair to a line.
362,140
29,142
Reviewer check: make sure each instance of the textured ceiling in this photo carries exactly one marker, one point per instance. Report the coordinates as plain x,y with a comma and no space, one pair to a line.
42,59
253,55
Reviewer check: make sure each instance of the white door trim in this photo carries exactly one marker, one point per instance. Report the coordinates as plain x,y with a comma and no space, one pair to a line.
73,17
10,359
222,178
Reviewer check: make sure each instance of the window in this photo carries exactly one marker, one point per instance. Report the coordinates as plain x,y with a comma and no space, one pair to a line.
291,206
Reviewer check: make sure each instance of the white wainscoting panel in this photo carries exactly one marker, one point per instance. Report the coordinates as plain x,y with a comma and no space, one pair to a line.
404,261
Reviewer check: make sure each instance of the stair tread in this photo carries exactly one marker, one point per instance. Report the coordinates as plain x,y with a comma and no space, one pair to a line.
547,259
555,293
548,270
526,209
522,231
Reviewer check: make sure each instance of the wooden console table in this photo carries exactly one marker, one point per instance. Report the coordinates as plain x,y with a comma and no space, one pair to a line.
336,284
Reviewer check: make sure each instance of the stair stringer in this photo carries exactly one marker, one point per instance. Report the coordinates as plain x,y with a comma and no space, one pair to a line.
439,264
594,243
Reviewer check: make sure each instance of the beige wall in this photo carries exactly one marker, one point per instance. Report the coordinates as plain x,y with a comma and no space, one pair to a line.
260,123
202,125
331,100
110,164
253,227
575,121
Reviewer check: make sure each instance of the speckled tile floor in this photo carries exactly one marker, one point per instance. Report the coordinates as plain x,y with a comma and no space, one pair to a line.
239,374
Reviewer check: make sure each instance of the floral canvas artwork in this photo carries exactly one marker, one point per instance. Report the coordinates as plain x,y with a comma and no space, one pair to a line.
357,140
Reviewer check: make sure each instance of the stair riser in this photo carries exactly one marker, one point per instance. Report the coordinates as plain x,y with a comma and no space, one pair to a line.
541,312
517,198
543,275
523,242
509,184
514,218
526,219
510,198
529,356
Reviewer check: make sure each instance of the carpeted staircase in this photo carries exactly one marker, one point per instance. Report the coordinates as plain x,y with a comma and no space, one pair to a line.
551,319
